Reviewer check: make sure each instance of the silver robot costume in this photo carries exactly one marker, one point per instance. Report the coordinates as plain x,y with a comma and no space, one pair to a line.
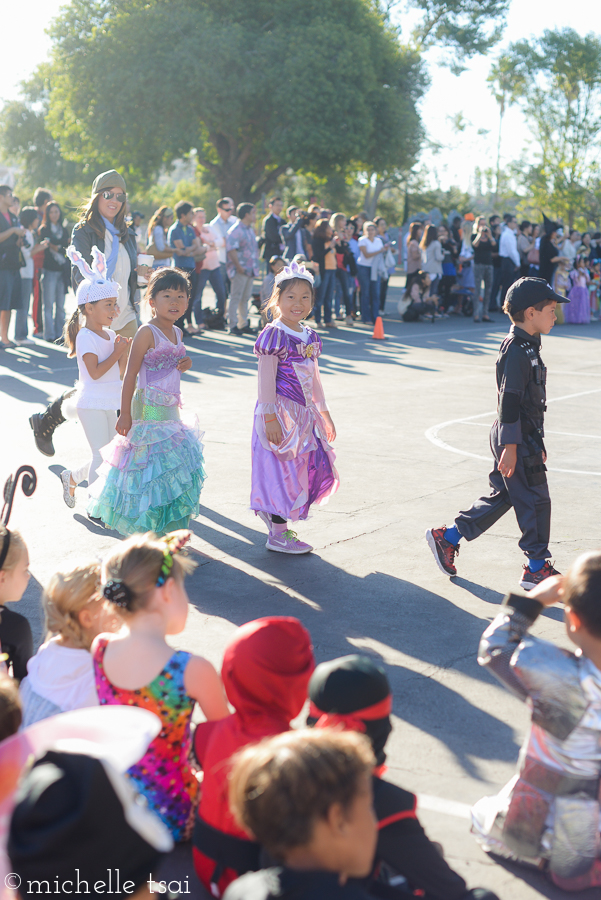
550,810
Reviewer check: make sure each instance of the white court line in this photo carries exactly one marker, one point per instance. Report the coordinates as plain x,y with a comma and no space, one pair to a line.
432,434
594,437
40,369
440,805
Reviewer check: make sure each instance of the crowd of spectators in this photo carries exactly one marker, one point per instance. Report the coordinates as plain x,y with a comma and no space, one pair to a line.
469,262
471,265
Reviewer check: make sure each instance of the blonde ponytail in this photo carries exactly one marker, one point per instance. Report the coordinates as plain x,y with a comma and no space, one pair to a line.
70,332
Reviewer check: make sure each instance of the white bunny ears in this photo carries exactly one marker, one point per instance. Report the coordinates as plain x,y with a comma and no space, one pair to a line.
96,284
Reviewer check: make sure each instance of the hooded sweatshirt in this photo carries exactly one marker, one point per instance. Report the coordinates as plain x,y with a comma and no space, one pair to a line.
59,679
266,669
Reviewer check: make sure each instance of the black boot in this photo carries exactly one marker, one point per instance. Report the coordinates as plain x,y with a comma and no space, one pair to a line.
45,424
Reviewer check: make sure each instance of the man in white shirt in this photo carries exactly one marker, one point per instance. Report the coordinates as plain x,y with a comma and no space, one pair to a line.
510,256
570,247
223,221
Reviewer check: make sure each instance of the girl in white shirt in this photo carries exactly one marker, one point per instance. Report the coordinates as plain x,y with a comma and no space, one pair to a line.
60,677
101,357
370,247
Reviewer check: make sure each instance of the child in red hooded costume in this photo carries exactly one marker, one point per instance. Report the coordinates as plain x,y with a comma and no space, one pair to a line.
266,670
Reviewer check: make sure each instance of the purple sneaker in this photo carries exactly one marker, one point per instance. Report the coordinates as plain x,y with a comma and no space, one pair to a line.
287,542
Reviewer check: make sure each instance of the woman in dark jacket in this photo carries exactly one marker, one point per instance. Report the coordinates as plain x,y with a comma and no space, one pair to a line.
549,254
54,269
324,253
102,224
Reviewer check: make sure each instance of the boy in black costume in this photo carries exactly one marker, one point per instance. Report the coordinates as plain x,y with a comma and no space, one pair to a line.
354,692
518,477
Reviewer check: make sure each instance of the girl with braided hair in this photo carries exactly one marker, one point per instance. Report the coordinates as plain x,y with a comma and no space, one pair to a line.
144,579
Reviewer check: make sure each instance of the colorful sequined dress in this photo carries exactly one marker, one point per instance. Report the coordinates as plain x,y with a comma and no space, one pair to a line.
163,775
290,477
151,479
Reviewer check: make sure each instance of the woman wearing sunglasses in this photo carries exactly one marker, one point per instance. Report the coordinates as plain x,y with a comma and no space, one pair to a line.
102,224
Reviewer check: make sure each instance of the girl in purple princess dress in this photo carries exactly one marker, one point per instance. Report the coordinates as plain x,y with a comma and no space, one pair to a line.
153,470
578,310
292,460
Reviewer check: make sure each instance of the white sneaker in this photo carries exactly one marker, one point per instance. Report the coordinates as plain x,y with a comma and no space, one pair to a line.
26,342
67,496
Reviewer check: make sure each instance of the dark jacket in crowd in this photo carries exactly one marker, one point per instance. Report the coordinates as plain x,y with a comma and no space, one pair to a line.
62,242
289,233
10,253
272,241
547,252
84,238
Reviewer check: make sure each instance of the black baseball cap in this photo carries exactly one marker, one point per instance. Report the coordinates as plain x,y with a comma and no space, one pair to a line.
527,292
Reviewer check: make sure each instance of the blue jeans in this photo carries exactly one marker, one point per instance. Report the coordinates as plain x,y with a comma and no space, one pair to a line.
342,291
53,293
216,279
370,294
323,295
23,312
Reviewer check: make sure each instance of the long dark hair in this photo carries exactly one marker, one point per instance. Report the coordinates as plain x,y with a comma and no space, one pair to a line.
430,235
321,229
46,216
157,219
90,215
414,230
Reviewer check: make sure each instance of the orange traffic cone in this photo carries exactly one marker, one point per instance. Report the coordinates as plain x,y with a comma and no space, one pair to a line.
379,330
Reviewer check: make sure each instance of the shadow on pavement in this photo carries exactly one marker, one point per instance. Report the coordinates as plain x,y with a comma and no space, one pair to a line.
248,582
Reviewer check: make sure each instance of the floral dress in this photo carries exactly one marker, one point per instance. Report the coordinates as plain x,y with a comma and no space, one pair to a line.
289,477
151,480
163,775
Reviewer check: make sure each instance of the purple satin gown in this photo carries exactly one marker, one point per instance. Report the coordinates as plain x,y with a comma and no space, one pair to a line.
288,478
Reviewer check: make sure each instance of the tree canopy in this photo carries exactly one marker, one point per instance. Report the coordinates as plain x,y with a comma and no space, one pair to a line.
557,80
253,86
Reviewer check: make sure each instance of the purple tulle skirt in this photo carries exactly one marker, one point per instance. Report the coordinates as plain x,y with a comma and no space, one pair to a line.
289,478
578,310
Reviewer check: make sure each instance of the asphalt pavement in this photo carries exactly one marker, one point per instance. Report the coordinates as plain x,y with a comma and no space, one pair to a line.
412,414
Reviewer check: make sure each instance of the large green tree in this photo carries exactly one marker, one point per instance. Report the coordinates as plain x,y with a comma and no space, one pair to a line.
557,81
254,86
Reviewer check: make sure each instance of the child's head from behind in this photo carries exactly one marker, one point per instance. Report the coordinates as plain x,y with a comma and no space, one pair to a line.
145,575
354,693
276,264
10,706
167,293
266,667
14,566
74,608
292,299
582,599
306,796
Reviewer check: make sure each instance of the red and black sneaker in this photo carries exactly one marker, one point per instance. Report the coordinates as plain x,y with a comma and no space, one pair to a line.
444,552
530,579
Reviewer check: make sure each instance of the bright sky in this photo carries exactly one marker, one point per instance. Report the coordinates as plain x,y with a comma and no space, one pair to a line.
448,95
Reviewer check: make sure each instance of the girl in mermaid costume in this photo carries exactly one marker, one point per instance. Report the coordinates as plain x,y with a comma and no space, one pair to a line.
153,470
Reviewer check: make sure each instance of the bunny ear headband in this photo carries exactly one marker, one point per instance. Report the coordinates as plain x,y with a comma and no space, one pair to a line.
96,284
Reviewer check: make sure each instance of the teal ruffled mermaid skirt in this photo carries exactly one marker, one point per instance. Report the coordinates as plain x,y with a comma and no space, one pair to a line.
150,480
